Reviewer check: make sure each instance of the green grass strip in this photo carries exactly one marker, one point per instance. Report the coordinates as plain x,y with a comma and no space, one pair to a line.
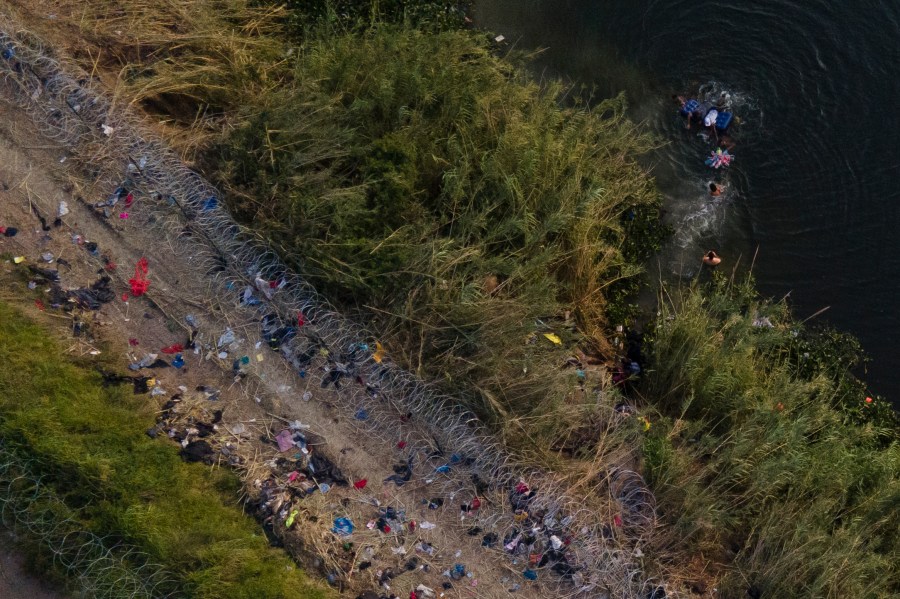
124,486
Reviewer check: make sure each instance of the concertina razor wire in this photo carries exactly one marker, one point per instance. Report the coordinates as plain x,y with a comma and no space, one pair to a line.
101,568
189,211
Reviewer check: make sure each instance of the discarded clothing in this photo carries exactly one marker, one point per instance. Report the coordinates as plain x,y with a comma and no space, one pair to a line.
198,451
342,526
45,273
323,469
226,338
402,473
140,283
93,297
284,440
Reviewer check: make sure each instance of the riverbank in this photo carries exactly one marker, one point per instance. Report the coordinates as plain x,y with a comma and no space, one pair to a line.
504,297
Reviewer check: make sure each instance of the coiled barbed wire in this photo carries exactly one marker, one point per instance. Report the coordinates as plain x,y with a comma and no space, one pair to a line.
189,213
98,568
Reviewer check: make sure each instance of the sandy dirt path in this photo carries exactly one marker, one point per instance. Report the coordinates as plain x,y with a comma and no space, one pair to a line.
16,582
35,176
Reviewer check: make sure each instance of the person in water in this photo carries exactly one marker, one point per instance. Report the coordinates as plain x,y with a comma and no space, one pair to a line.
710,121
698,114
711,258
715,190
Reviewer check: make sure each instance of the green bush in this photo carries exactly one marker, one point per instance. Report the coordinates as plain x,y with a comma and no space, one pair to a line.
119,483
434,15
757,460
445,198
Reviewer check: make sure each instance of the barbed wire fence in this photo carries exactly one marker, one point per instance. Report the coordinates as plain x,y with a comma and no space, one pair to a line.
317,341
99,568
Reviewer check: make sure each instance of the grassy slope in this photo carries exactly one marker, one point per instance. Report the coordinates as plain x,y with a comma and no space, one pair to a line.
450,201
349,131
758,460
90,446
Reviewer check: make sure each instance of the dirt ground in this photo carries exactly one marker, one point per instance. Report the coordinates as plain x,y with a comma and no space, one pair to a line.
16,582
35,176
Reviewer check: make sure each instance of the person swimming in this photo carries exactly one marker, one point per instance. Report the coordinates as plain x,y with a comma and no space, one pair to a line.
711,258
715,190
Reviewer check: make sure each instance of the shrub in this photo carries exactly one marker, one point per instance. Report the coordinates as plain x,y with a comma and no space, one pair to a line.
757,461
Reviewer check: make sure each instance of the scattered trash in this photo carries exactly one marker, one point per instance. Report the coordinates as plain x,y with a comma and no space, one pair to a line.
530,574
198,451
107,130
402,473
290,521
320,467
145,362
362,414
140,284
360,484
19,259
554,338
342,526
378,356
285,440
457,572
63,209
763,322
141,384
8,231
426,525
173,349
178,362
227,338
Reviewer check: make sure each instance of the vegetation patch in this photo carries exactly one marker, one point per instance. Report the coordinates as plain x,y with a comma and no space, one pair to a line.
97,467
474,217
449,201
757,457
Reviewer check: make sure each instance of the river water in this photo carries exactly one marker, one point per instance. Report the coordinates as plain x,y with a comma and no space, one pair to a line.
815,184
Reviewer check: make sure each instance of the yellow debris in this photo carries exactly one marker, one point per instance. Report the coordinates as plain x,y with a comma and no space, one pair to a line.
378,356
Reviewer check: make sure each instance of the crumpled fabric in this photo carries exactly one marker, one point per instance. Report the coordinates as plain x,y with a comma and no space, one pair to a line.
323,469
140,283
402,474
284,440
